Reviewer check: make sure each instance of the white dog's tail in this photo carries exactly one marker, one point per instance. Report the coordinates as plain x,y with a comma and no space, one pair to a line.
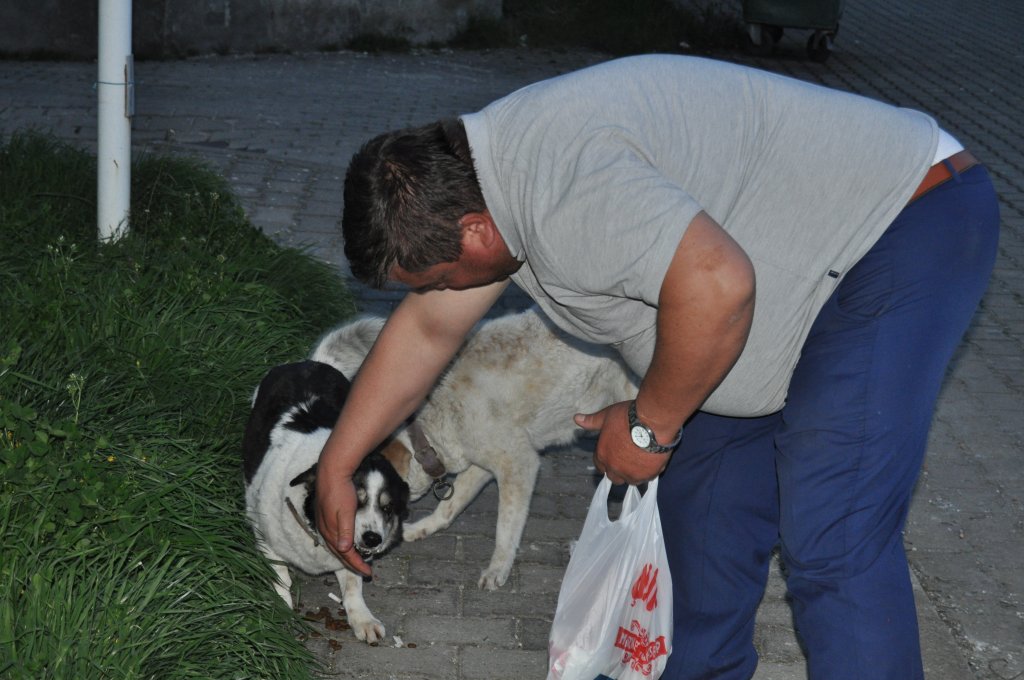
346,346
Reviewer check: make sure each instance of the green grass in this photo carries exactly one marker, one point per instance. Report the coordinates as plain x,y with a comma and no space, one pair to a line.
125,374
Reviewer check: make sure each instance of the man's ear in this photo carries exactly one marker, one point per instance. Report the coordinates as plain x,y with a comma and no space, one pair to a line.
480,227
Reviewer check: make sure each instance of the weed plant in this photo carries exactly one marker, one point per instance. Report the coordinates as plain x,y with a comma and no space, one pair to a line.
125,374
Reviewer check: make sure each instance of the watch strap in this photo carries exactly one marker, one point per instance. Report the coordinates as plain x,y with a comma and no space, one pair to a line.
654,446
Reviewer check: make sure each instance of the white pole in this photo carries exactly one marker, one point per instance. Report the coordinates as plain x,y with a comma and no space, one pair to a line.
115,93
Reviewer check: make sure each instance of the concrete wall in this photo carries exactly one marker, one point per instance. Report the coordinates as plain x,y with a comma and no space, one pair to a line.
175,28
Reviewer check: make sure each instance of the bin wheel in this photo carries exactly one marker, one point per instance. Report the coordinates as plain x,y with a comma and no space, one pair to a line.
760,39
819,46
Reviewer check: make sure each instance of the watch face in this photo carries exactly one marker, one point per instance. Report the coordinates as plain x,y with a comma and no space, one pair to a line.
641,437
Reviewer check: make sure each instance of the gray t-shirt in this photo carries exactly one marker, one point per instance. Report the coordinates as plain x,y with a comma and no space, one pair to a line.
593,177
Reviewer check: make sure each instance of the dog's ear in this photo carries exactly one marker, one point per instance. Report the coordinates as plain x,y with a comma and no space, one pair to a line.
400,457
308,477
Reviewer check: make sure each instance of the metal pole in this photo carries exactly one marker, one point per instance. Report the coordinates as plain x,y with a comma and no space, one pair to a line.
115,104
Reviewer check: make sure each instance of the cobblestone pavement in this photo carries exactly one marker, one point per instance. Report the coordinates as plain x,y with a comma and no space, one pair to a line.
282,128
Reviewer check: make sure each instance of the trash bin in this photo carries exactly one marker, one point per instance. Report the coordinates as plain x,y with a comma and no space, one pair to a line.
766,20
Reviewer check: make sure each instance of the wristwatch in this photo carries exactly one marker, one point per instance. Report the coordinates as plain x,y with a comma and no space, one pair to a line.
644,437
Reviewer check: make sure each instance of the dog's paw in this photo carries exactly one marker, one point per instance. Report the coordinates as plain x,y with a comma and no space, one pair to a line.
417,530
492,578
367,629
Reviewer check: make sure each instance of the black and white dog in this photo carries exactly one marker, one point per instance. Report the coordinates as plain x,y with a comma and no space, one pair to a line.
293,411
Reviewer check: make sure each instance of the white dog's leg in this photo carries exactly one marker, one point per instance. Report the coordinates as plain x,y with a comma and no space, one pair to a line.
466,487
516,477
283,582
364,624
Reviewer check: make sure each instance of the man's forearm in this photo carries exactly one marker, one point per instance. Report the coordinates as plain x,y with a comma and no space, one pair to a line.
416,344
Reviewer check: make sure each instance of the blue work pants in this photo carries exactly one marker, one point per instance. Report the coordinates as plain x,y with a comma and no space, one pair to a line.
829,478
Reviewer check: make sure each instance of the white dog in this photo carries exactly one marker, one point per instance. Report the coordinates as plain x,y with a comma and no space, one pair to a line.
511,391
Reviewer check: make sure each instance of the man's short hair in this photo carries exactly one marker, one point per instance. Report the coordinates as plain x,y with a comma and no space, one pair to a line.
405,193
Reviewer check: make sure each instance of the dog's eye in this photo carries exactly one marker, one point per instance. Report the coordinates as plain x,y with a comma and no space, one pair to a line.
386,508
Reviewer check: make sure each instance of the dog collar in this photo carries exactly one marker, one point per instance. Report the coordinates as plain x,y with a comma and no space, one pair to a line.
431,463
425,454
302,523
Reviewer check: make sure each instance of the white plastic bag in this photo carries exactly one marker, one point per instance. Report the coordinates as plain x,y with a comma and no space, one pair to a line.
614,614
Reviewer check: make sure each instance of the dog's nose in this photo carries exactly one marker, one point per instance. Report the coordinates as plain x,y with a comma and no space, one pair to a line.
371,539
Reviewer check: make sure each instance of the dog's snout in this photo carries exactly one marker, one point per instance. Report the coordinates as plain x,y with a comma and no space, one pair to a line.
371,539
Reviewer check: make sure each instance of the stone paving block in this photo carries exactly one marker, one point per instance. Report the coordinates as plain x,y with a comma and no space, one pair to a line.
780,671
322,247
539,528
1004,465
359,661
461,630
405,600
954,468
480,663
481,522
440,546
273,220
777,644
1003,401
574,507
549,553
243,191
533,633
775,611
542,580
544,505
327,214
444,574
511,600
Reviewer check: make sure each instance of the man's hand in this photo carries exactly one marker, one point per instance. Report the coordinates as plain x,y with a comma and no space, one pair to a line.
335,517
616,455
